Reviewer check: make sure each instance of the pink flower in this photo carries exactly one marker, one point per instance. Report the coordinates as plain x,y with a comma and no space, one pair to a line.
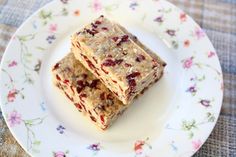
138,147
196,144
211,54
188,63
14,118
199,33
183,17
12,95
97,6
53,28
59,154
12,64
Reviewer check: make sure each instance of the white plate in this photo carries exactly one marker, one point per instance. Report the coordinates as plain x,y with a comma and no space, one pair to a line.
173,118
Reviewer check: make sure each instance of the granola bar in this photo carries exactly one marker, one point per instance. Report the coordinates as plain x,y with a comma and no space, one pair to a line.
88,94
117,58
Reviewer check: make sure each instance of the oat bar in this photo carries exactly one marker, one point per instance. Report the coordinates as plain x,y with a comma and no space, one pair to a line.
88,94
117,58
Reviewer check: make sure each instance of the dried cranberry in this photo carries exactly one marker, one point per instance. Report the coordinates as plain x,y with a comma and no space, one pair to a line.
114,81
82,96
66,81
132,83
94,84
124,38
102,118
92,32
102,96
93,119
109,62
140,58
93,25
98,22
78,106
58,78
79,89
133,75
115,39
105,28
119,61
56,66
128,65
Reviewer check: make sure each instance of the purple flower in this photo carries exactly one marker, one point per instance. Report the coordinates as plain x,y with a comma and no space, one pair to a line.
95,147
61,129
64,1
159,19
51,38
205,103
59,154
97,5
171,32
199,33
187,63
192,90
133,5
14,118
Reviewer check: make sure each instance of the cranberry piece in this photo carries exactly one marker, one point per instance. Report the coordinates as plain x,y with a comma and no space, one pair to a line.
92,32
128,65
94,84
79,89
78,106
93,25
119,61
124,38
109,62
102,96
133,75
105,28
66,81
93,119
132,83
115,39
98,22
102,118
82,96
56,66
58,78
114,81
140,58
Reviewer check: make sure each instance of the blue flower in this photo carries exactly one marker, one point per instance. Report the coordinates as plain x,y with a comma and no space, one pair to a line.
133,5
51,38
61,129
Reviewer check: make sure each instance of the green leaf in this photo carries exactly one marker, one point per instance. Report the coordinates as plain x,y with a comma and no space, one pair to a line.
37,143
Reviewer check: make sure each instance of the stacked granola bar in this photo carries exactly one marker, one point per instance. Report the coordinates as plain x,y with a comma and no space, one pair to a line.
109,67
